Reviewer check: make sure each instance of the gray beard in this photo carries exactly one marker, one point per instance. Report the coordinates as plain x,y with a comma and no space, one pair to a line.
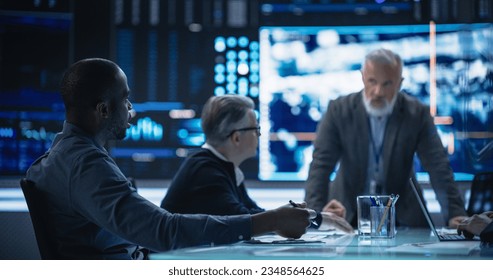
379,112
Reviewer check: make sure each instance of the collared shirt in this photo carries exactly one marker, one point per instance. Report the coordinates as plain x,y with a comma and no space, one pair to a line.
97,214
240,177
375,178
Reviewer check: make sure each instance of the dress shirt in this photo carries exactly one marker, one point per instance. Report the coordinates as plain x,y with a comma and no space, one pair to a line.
375,154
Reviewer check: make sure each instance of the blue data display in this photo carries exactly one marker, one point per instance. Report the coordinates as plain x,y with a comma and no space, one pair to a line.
306,67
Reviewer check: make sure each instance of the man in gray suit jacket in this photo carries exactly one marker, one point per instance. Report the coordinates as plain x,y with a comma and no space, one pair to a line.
372,136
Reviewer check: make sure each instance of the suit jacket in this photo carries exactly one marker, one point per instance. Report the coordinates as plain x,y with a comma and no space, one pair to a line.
343,138
205,184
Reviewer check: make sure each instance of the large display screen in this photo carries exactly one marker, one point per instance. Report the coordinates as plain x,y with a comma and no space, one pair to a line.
177,54
171,74
449,67
35,50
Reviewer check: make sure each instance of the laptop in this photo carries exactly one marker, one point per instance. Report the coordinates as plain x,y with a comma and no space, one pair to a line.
441,237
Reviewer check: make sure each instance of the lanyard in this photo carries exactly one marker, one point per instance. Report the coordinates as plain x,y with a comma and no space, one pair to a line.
377,151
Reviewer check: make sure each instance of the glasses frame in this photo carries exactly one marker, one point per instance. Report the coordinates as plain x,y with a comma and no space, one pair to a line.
257,128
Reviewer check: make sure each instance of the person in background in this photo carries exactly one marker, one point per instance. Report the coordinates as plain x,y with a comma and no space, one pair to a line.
372,136
480,225
96,212
210,180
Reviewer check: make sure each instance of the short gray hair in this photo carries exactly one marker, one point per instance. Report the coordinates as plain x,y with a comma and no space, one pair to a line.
384,56
223,114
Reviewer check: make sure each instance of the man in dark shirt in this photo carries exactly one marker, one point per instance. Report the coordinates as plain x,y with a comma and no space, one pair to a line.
210,181
95,211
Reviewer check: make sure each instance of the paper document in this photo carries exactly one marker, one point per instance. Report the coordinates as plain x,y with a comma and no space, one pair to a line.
276,239
309,237
453,248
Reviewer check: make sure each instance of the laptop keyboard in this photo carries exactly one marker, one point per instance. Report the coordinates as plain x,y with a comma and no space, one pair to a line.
451,237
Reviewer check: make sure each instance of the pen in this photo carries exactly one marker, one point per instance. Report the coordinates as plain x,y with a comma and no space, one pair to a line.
395,199
389,203
373,201
296,205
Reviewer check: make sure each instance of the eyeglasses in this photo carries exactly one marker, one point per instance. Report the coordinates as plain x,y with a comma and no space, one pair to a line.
257,128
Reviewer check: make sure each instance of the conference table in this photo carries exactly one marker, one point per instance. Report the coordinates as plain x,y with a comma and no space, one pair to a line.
408,244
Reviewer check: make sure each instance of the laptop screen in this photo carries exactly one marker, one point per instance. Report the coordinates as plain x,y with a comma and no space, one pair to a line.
422,205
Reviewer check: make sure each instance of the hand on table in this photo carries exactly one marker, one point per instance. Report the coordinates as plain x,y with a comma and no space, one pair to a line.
287,221
455,221
476,223
333,221
334,206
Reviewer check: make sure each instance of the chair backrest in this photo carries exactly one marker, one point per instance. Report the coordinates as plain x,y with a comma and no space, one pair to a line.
41,223
481,198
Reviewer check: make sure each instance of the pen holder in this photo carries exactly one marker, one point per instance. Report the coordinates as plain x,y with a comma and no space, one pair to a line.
364,202
382,221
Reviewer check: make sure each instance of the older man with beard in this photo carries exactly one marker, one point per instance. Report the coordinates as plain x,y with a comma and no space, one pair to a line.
372,136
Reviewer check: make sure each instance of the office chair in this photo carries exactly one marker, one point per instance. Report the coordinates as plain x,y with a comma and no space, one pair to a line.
41,223
481,198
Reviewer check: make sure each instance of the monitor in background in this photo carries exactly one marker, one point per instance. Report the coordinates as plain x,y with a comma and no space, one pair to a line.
35,50
171,86
160,136
446,66
481,194
176,54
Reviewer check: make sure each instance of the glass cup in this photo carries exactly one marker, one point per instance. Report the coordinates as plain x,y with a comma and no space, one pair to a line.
382,220
363,203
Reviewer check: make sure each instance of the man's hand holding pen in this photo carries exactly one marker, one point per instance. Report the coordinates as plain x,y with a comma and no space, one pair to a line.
329,220
313,213
292,222
286,221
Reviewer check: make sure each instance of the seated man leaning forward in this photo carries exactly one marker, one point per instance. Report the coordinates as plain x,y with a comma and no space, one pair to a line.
95,211
210,181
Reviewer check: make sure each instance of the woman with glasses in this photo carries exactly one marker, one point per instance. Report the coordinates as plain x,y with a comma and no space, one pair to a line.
210,181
